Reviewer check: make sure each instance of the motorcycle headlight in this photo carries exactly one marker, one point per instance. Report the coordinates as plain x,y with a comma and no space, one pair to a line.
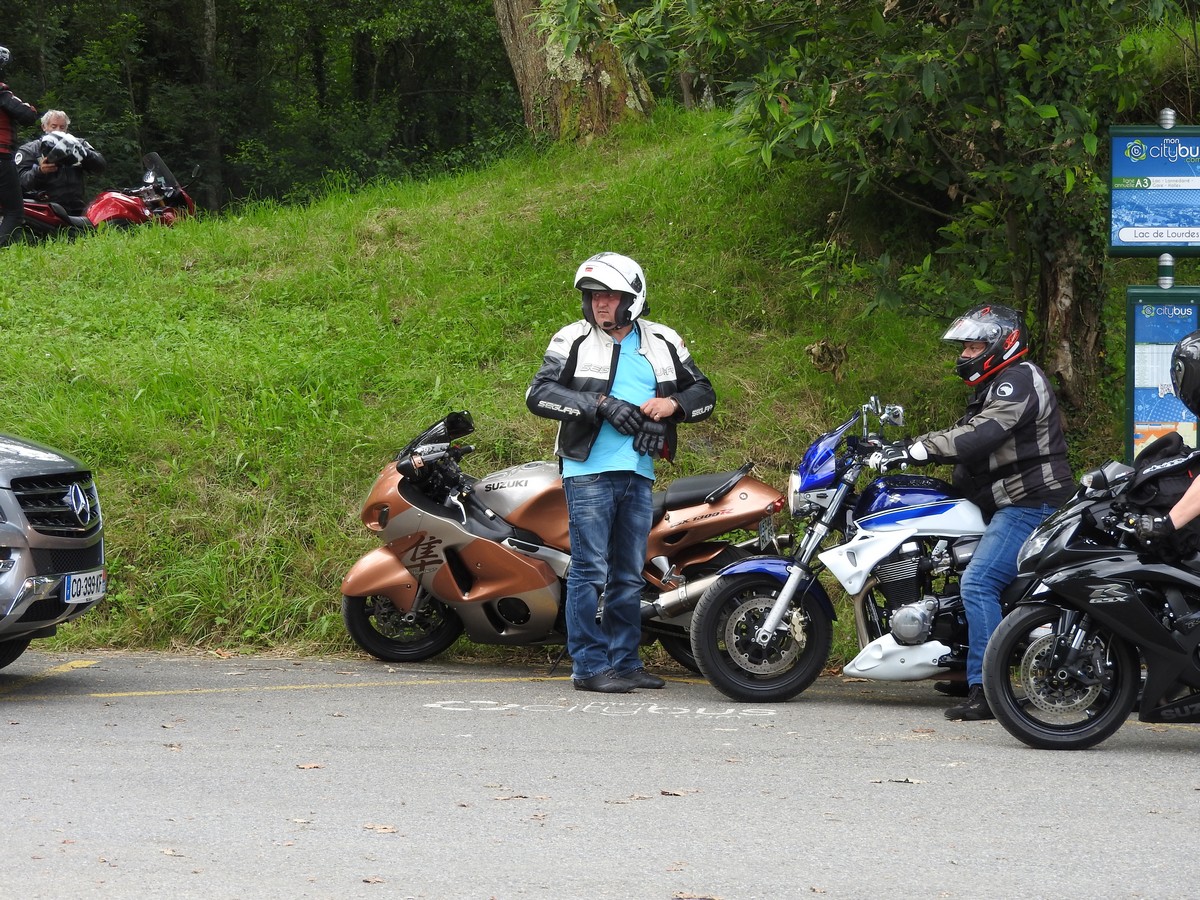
795,501
1041,538
1034,545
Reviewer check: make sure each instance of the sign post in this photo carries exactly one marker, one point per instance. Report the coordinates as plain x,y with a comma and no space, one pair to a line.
1154,210
1155,320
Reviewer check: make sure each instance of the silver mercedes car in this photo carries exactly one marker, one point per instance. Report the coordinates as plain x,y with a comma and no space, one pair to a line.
51,543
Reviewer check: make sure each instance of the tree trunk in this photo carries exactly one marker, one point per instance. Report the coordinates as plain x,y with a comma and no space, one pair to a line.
213,184
1069,299
568,98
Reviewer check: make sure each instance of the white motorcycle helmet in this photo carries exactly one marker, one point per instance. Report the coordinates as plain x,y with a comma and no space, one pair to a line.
613,272
62,149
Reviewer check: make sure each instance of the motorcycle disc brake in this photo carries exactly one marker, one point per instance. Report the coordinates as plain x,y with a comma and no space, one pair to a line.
780,653
1043,689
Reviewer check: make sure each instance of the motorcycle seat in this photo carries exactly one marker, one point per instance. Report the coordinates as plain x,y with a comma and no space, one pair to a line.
74,221
694,490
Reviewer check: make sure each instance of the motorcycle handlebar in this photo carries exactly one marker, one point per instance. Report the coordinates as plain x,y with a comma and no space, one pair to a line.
413,465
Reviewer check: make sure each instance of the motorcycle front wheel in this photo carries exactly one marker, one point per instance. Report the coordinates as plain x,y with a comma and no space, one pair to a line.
1051,706
723,628
388,634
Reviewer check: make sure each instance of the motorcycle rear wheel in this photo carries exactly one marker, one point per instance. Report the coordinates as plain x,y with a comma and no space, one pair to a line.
383,631
723,627
1052,710
679,647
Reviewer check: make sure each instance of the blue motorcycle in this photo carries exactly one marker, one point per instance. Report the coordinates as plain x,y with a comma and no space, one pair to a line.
762,631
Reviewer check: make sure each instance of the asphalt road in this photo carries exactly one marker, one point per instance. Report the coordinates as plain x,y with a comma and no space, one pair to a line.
139,775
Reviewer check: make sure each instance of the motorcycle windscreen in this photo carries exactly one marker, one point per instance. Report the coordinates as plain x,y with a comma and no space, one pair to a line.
818,466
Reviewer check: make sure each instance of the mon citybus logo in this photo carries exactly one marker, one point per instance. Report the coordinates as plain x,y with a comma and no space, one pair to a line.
1170,150
1168,312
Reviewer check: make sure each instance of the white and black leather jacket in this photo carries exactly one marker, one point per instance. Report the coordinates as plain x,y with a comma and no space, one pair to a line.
579,368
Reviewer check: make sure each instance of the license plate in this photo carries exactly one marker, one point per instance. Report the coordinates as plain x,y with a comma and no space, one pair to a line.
766,533
85,587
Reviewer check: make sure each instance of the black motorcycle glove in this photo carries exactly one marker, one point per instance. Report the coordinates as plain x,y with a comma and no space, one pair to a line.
1153,528
890,456
622,415
650,440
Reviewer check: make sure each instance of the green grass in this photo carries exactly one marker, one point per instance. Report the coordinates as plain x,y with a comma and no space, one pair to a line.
236,382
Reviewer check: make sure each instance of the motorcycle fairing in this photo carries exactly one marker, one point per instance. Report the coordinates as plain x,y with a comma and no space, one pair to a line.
529,496
886,660
1107,590
853,562
381,573
778,567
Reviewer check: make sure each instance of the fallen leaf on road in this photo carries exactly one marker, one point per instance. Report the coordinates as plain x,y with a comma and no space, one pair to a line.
310,765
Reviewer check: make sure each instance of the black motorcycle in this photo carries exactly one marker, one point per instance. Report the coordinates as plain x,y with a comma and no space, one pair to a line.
1106,617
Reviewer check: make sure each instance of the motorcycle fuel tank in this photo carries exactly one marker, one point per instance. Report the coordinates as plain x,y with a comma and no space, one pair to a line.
916,501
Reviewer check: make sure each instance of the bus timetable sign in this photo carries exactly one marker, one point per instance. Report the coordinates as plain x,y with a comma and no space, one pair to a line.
1154,203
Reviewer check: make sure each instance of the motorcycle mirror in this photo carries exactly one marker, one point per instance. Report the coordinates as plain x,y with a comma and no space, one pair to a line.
459,424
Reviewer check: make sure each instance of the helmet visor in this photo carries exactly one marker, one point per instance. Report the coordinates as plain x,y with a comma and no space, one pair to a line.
969,329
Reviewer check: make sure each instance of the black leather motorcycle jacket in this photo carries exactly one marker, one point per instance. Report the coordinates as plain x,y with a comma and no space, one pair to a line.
579,368
13,111
1008,449
64,186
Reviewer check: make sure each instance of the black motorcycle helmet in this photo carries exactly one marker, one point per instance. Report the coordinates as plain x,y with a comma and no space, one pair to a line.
1001,328
1185,371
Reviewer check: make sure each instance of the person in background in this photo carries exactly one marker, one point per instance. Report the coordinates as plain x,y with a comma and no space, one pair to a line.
13,112
54,165
617,384
1010,457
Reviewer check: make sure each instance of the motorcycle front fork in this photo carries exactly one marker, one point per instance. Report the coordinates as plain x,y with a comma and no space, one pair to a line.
1069,653
798,574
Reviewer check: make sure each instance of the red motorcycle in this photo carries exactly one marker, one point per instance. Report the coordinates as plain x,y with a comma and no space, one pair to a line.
160,198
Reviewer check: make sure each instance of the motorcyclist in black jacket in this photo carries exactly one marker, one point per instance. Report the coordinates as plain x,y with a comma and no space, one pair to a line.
13,112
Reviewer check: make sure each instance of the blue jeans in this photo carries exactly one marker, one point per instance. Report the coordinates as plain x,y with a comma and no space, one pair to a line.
990,571
610,520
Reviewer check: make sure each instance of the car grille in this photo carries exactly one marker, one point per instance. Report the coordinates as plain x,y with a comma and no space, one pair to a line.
58,562
64,505
48,609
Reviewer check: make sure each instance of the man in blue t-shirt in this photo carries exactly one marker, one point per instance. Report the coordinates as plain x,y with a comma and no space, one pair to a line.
618,385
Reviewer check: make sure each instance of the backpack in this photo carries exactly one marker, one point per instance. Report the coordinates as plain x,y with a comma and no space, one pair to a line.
1163,472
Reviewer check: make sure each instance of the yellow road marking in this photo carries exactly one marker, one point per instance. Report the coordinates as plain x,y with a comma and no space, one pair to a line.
48,673
321,687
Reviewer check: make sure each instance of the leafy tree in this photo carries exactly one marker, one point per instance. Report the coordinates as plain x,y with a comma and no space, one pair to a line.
986,116
272,98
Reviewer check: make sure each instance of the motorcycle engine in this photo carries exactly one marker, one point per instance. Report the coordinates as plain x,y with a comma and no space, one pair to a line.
899,575
913,623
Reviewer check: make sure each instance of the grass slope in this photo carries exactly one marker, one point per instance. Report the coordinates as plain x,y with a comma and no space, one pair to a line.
237,382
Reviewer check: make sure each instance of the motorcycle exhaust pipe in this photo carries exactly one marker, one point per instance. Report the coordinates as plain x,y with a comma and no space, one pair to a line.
677,602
